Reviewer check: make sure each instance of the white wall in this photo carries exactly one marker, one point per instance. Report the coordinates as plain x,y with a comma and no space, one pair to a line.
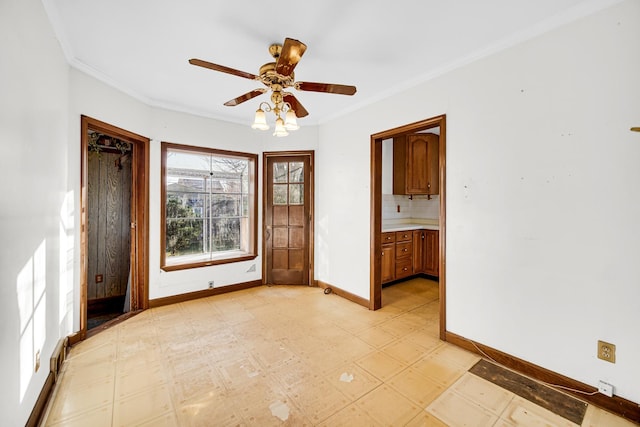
542,206
37,215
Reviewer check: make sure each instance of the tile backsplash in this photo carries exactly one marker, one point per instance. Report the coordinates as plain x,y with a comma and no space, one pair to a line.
419,207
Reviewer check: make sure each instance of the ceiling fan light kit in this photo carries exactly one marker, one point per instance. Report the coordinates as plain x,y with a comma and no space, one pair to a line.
278,76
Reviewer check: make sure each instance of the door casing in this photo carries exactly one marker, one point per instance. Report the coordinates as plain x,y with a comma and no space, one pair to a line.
375,291
139,216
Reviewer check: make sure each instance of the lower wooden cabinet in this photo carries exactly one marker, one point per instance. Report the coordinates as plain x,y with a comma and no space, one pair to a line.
432,253
409,253
388,262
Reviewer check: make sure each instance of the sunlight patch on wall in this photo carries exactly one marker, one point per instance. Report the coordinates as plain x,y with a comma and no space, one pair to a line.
31,295
65,309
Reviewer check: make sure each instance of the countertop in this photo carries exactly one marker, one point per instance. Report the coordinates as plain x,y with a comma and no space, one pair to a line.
409,224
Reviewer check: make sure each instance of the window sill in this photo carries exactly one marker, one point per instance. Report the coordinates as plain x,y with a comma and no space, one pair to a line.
209,262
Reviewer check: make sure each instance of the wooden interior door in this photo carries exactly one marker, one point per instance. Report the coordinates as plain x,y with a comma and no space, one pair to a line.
287,219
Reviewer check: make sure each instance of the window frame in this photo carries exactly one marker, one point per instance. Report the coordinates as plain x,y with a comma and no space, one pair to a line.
252,250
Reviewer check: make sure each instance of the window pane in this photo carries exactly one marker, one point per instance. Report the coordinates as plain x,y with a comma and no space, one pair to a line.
245,205
184,205
225,205
280,172
296,172
296,194
225,234
280,194
184,236
209,205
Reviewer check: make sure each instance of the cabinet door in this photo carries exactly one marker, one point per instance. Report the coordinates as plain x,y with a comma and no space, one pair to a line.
417,174
388,262
432,252
415,164
418,251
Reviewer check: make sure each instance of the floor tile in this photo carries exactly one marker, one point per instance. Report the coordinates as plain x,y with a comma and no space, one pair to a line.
425,419
419,389
405,351
81,398
455,410
596,417
97,417
438,369
381,365
388,407
353,381
521,412
142,407
350,416
483,392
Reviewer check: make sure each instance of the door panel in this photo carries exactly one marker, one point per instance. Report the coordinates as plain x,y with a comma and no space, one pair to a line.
287,219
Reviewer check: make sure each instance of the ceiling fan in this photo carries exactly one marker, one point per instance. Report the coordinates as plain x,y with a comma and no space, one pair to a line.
278,76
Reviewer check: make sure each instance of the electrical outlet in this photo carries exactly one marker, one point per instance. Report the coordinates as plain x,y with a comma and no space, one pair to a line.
607,351
605,388
37,360
210,284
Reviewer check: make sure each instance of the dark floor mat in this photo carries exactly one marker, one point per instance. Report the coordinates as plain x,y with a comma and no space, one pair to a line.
540,394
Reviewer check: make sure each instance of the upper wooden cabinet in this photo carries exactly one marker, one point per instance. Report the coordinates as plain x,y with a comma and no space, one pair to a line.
415,164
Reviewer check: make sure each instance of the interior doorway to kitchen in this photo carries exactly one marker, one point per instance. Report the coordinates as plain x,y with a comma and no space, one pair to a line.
375,298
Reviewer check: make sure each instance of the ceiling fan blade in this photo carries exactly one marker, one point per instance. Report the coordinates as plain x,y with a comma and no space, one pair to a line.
326,87
295,105
292,51
242,98
222,68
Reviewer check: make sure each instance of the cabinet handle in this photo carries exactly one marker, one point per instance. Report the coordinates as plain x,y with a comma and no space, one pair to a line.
404,269
405,250
429,185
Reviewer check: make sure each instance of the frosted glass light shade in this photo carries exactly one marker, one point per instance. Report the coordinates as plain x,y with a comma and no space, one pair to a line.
260,120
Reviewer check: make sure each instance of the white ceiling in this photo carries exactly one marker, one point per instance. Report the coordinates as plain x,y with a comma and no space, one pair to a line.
142,46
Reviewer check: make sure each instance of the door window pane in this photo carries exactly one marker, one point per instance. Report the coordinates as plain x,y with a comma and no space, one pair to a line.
296,194
280,172
280,194
296,172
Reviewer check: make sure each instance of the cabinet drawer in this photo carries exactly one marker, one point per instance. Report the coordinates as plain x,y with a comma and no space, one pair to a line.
404,267
402,236
388,237
404,249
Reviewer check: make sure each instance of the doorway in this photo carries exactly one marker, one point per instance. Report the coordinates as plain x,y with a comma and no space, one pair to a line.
114,224
287,218
375,294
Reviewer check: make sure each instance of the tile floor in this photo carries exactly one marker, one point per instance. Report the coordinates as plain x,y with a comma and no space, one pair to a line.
287,355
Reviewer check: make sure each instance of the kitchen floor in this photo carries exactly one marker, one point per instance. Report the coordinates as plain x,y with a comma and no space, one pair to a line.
287,355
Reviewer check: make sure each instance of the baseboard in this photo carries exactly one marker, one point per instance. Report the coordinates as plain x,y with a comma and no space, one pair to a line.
159,302
618,405
344,294
55,364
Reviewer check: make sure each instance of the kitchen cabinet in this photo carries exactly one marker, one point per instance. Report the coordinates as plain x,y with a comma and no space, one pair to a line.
426,254
404,254
409,253
432,252
418,251
415,164
388,260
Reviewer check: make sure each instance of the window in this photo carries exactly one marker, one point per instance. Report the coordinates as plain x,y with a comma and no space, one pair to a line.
209,212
